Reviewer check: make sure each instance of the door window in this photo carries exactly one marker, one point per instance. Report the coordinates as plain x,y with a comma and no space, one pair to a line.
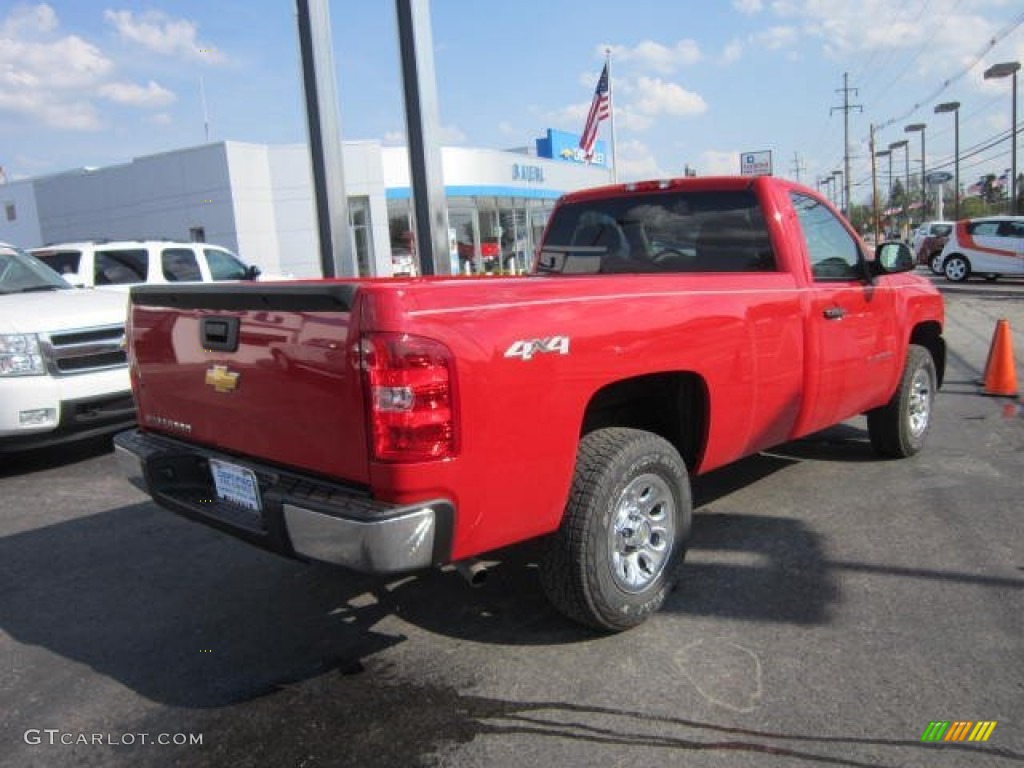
224,265
180,265
121,267
831,249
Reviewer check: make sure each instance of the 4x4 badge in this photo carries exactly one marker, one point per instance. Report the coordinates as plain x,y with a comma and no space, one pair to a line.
221,379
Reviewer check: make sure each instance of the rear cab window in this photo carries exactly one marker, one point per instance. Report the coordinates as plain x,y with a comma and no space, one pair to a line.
668,231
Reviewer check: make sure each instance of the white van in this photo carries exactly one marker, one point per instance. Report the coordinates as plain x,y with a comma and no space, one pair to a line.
100,263
990,246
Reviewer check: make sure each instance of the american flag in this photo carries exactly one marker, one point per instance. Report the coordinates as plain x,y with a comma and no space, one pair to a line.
600,109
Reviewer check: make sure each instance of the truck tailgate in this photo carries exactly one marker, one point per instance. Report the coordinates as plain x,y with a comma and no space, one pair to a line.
265,371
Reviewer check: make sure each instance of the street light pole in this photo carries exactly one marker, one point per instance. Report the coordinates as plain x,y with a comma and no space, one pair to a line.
887,153
913,128
954,107
905,146
1009,69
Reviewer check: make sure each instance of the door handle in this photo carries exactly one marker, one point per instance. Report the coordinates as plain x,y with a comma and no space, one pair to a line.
834,313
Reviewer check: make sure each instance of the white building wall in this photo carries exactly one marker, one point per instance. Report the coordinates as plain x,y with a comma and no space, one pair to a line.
293,211
159,196
19,197
252,200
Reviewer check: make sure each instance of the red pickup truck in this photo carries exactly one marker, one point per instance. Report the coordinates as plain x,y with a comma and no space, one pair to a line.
668,328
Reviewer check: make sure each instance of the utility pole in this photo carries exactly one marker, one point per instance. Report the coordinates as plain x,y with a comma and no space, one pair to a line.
846,90
874,186
797,167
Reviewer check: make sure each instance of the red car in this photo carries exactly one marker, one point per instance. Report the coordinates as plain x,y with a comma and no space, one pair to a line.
671,327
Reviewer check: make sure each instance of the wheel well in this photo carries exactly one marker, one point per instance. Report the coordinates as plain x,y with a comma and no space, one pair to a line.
672,405
929,336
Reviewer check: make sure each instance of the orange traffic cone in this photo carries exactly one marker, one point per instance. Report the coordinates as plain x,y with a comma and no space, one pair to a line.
1000,371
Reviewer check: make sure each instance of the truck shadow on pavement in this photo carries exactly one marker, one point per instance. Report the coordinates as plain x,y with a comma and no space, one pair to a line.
188,617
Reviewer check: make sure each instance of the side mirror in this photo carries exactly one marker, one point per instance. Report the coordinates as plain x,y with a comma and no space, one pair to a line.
253,272
891,258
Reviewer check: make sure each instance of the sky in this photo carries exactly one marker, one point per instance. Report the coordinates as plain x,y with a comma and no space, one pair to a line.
87,83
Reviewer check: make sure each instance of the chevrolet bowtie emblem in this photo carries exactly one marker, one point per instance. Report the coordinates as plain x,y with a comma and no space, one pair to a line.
221,379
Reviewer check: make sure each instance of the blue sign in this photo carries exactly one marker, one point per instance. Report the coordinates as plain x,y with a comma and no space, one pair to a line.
565,146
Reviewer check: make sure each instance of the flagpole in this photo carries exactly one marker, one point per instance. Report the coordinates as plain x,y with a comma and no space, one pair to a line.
611,113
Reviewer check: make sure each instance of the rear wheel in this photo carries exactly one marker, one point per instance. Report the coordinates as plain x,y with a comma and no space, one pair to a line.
899,428
957,268
935,263
616,555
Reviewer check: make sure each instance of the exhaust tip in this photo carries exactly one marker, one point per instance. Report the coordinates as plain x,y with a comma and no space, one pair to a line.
473,571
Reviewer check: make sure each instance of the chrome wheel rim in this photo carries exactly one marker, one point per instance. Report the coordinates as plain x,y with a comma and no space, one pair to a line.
641,533
956,269
920,405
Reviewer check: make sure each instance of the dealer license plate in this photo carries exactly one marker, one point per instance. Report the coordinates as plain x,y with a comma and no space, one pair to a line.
236,484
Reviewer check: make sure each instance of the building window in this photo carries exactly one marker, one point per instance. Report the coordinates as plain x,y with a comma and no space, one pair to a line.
10,211
362,234
197,234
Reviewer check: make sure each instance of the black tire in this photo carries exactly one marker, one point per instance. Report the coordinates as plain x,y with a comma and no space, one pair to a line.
956,268
617,553
900,427
935,263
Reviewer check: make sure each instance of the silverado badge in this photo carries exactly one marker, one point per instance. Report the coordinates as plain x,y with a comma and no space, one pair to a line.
221,379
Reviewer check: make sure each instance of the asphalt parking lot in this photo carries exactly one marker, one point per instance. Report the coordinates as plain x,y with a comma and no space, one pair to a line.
833,606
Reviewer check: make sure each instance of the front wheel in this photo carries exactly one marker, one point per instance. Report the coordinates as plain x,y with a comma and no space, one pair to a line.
957,268
935,263
898,429
614,559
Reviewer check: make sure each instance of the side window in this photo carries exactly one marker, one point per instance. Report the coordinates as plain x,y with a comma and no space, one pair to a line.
984,228
179,264
61,262
223,265
832,250
121,267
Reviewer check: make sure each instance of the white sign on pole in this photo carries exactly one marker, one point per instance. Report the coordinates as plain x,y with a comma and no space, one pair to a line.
756,163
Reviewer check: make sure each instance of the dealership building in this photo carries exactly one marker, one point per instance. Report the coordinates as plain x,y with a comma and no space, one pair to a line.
257,200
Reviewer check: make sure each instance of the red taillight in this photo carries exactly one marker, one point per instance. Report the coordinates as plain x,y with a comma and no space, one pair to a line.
410,396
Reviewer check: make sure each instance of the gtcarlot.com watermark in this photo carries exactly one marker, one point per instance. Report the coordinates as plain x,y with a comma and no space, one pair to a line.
56,737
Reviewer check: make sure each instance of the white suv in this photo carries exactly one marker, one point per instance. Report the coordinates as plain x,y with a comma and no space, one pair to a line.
990,246
63,368
100,263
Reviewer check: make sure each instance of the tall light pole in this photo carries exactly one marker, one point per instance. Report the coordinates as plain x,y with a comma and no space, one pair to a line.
913,128
905,146
954,107
887,153
1009,69
840,196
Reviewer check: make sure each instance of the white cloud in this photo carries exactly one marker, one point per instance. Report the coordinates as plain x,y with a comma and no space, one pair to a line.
719,163
777,37
43,80
29,19
156,31
637,162
732,52
151,95
450,134
748,7
660,58
160,118
657,97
